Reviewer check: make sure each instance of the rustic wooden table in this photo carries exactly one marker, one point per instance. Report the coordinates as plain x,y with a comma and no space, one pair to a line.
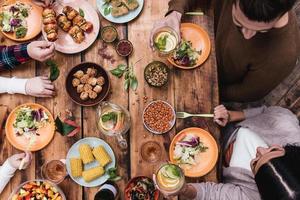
194,91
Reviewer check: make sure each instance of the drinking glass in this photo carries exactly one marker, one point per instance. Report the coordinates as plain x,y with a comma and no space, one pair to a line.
106,107
54,171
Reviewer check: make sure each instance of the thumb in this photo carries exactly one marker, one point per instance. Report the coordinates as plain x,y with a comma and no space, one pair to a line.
44,44
19,156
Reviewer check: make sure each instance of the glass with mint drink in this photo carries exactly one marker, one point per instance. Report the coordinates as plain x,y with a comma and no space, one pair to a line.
165,41
170,178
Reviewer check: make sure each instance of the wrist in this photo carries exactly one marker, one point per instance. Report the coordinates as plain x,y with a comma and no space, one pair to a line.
189,191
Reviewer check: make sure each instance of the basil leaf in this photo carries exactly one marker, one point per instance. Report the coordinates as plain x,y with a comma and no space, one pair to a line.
63,128
126,84
117,72
54,70
109,116
107,9
133,83
81,12
122,67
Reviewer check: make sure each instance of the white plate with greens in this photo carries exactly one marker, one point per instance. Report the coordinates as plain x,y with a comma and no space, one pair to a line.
105,10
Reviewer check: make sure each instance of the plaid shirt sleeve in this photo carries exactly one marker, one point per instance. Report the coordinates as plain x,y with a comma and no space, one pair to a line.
11,56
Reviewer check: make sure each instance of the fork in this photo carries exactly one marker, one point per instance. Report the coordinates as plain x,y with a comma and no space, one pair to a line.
183,115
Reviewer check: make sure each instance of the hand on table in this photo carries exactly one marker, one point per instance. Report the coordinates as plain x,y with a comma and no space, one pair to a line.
39,86
41,50
172,20
16,160
43,3
221,115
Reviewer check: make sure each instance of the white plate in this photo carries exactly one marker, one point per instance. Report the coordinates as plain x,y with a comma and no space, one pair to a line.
65,43
74,152
122,19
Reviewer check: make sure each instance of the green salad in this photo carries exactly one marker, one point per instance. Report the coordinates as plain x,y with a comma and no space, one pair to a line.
185,54
28,121
13,19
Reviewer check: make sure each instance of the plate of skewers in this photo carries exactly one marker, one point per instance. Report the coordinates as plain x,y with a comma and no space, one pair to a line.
72,25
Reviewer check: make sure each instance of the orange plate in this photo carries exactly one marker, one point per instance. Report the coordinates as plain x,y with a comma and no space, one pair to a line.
200,41
19,142
34,22
207,160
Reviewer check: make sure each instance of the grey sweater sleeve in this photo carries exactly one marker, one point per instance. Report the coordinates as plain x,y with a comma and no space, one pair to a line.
221,191
252,112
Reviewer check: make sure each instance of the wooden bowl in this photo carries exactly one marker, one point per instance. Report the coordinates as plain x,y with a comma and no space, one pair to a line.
73,92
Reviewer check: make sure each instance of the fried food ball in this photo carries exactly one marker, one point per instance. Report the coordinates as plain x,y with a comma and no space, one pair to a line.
91,72
92,81
84,95
92,94
97,89
79,74
75,82
87,87
80,88
48,12
84,78
100,80
87,27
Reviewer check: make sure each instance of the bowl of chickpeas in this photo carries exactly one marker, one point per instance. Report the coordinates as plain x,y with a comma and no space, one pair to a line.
87,84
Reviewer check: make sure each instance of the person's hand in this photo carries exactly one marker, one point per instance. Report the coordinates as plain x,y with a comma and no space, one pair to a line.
15,160
39,86
43,3
41,50
221,115
172,20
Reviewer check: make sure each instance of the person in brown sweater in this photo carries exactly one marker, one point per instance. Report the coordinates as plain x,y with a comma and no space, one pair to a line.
257,44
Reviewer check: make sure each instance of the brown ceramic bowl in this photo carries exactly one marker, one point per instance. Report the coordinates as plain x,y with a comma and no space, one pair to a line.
72,90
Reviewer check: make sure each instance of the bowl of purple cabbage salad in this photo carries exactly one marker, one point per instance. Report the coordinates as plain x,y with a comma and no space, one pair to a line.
28,121
13,19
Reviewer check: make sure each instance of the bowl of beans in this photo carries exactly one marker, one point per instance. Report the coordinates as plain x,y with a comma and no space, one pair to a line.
156,74
159,117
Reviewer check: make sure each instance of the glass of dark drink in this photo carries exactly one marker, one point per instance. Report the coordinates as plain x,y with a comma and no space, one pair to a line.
106,192
54,171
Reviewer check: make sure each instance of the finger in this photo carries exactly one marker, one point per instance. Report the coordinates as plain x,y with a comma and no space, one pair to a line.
27,156
47,82
219,122
19,156
49,56
47,51
49,87
43,44
45,78
48,92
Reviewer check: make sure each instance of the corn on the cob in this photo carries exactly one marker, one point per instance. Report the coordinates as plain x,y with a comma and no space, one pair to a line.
92,173
101,155
86,154
76,167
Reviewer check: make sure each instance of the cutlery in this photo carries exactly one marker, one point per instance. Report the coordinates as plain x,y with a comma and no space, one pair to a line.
195,13
183,115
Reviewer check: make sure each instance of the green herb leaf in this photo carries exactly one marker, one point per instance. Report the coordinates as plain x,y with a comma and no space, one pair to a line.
133,83
109,116
126,84
122,67
112,173
162,42
81,12
107,9
63,128
117,72
54,70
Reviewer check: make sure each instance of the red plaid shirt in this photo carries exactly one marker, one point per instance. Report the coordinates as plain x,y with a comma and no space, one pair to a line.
11,56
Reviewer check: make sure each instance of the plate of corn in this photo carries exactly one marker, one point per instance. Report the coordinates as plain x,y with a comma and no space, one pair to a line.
88,160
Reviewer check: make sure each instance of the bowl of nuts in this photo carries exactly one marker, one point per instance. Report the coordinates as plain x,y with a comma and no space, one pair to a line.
159,117
156,74
87,84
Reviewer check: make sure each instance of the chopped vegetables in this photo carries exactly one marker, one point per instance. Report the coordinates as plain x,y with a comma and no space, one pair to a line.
185,54
186,149
28,121
141,188
38,190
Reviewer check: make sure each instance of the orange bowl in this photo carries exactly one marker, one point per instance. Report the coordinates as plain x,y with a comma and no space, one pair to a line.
34,22
200,41
19,142
207,160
